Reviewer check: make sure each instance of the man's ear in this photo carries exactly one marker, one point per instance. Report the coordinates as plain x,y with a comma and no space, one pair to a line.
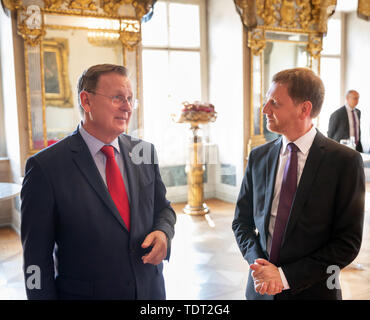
85,102
306,108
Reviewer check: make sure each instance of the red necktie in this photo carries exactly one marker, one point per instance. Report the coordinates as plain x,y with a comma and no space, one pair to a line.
116,186
287,192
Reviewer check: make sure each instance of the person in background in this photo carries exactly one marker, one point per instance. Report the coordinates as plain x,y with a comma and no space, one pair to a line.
345,121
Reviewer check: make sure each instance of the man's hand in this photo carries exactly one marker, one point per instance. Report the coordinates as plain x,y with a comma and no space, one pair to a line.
158,240
266,277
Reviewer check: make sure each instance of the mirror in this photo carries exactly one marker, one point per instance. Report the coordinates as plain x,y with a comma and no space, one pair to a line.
77,54
271,52
282,51
64,38
279,34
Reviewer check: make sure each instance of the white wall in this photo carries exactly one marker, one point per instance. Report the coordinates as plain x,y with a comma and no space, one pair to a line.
225,54
10,98
10,167
357,68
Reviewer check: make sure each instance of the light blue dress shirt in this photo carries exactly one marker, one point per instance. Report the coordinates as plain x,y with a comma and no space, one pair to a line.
99,157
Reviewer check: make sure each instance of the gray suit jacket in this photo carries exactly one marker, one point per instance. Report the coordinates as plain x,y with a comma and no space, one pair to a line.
325,222
68,212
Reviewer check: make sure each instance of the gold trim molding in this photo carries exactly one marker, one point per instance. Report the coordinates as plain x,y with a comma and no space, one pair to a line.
304,15
56,73
103,8
256,41
363,10
31,24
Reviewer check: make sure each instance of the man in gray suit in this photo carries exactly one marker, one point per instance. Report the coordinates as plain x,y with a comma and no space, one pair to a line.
299,214
95,220
345,122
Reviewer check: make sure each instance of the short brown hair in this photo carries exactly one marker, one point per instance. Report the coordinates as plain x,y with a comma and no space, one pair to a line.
89,78
303,85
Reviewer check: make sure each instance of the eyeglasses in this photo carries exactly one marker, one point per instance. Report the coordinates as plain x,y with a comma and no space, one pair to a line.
118,100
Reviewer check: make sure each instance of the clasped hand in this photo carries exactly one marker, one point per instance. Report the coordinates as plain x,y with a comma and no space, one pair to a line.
158,240
266,277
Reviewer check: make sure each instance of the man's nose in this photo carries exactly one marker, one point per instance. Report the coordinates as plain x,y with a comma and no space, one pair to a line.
265,108
126,106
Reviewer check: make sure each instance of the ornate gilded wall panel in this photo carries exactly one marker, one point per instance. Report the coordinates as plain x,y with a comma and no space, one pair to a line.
112,29
281,34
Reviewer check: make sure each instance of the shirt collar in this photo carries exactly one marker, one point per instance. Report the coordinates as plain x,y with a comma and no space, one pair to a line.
95,144
349,108
304,142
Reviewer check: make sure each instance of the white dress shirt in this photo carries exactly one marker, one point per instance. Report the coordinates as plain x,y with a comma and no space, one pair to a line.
351,124
304,144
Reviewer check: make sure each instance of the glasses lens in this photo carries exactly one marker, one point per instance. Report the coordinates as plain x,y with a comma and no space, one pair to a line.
117,100
135,104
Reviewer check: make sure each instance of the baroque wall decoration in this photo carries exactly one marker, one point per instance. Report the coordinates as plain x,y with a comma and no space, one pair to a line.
108,24
280,34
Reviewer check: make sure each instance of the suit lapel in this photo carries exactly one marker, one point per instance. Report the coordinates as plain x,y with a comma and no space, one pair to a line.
345,121
271,169
82,157
308,176
132,172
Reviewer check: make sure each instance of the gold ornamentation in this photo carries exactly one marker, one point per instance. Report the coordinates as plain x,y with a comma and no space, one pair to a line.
111,6
256,41
287,14
247,12
267,11
57,87
314,46
363,10
195,114
53,4
12,4
142,7
304,13
130,34
82,5
31,25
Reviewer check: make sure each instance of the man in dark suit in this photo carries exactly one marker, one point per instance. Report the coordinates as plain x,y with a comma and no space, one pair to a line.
95,220
299,214
345,122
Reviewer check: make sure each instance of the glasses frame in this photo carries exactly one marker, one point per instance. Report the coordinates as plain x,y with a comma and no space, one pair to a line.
121,99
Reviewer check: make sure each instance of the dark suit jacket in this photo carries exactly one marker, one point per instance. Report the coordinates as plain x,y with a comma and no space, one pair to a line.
339,126
67,209
325,222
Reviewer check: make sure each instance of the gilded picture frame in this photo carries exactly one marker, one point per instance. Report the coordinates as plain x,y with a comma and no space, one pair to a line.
57,84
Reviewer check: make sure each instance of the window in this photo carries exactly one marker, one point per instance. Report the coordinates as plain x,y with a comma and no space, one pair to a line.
173,72
2,123
331,72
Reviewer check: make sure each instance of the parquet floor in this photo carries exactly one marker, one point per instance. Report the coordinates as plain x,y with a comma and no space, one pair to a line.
205,263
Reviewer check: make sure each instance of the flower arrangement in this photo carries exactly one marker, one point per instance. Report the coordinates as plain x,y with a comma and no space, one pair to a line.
197,112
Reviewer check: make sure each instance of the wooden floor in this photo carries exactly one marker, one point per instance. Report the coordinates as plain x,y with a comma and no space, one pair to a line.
205,263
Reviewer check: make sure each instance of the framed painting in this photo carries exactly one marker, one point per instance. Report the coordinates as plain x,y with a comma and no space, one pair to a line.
56,78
